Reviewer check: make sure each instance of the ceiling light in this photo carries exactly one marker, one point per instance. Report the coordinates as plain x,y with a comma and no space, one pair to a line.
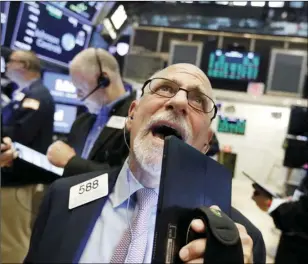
222,2
275,4
119,17
258,4
122,48
238,3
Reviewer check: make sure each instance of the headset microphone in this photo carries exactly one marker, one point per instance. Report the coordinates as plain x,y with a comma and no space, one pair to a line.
102,84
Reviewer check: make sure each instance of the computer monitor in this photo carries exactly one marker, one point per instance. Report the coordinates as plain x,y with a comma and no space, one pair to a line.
231,125
233,65
5,7
61,88
50,33
83,10
64,118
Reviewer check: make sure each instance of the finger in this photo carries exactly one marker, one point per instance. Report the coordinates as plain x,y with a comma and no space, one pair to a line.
241,228
215,207
7,156
4,147
15,154
199,260
7,140
197,225
193,250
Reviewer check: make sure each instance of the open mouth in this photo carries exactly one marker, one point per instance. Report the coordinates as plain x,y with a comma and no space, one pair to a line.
162,131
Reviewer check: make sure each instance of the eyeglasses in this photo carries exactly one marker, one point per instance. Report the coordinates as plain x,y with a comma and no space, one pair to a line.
196,99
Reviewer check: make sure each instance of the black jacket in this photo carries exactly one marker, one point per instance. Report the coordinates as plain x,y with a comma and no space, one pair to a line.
60,235
109,149
292,219
32,127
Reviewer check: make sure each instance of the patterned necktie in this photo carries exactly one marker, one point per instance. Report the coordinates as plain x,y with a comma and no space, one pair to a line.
137,241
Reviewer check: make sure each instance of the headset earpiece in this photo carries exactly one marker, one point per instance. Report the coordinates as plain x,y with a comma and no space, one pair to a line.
102,81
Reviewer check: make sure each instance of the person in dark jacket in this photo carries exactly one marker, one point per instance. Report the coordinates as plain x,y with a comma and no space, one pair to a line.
109,216
28,120
96,140
290,215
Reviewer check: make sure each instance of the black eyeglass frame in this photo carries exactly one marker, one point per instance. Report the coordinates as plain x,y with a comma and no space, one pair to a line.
150,80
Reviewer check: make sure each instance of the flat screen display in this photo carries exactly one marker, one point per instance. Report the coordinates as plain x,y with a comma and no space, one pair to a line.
231,125
64,118
61,88
51,34
233,65
5,6
83,10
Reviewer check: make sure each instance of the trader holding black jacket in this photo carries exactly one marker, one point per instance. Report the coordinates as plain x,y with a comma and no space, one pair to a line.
96,140
290,215
27,119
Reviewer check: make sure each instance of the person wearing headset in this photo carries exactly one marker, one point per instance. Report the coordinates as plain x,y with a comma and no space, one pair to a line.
96,139
26,119
109,216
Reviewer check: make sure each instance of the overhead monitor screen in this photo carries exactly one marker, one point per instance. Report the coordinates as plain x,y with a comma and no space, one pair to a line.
5,6
231,125
61,87
64,118
50,33
87,10
233,65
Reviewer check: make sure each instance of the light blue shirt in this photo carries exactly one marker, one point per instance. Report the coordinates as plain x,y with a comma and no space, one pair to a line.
101,120
113,221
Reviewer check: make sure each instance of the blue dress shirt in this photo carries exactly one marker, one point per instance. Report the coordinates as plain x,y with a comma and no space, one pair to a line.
101,120
110,226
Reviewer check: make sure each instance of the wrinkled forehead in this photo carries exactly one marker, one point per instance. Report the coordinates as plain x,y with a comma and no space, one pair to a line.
188,76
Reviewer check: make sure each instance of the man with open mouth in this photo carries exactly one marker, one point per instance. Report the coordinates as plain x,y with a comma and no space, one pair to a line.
94,218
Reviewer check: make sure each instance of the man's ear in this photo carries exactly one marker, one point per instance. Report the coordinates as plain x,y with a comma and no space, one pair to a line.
131,112
206,146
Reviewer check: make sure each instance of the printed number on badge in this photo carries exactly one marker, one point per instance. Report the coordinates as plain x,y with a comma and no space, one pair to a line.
88,187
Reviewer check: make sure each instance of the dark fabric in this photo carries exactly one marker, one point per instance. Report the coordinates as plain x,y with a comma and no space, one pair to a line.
60,234
109,150
292,219
292,249
222,237
293,216
32,128
214,146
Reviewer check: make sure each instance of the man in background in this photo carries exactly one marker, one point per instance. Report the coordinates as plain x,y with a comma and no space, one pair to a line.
290,215
26,119
96,139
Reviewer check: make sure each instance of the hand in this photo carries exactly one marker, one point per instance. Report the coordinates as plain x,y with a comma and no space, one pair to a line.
8,153
194,251
59,153
262,200
247,243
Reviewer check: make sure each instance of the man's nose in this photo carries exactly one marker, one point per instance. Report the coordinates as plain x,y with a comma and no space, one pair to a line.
179,102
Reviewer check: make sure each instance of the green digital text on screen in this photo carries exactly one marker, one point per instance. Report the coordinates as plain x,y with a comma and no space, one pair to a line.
231,125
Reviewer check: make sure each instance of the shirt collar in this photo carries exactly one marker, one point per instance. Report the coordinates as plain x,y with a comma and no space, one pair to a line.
125,186
105,110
